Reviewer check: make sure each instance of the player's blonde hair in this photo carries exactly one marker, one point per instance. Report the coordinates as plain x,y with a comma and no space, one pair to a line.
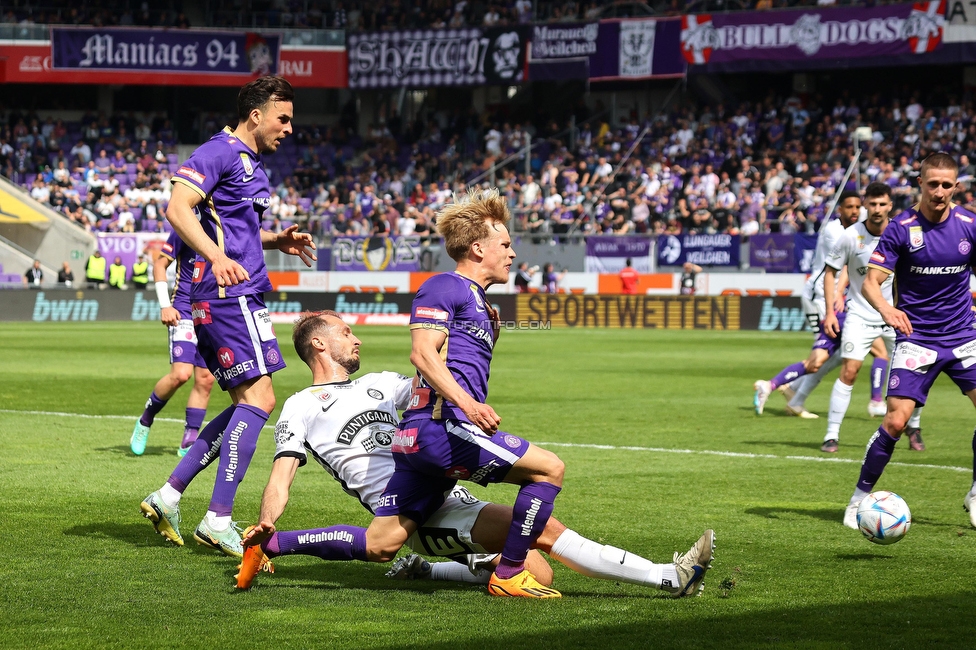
469,219
308,325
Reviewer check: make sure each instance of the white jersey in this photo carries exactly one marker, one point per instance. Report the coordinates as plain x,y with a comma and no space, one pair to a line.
854,249
347,427
827,240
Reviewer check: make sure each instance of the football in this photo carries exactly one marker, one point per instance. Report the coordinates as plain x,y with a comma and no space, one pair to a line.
883,517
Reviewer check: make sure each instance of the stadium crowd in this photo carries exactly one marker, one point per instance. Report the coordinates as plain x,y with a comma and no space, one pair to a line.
769,166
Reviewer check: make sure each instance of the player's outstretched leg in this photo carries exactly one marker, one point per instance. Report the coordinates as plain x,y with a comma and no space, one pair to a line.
693,565
336,543
879,450
877,407
140,433
765,388
165,519
913,431
840,400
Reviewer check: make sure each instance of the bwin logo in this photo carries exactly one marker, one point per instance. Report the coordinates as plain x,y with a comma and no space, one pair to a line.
787,319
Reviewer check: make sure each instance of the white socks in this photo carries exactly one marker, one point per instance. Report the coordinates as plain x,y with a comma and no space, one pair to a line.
840,399
858,495
457,573
609,563
171,497
215,522
916,419
805,384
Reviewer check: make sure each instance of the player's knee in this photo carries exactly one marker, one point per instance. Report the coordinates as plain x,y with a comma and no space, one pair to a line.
204,379
848,375
812,365
895,423
180,375
380,552
553,470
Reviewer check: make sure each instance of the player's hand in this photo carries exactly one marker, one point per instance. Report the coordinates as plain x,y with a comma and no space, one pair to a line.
898,320
259,533
292,242
169,316
830,325
228,272
496,322
840,304
482,416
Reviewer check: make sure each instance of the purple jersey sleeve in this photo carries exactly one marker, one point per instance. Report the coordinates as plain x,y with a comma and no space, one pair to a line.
885,255
435,303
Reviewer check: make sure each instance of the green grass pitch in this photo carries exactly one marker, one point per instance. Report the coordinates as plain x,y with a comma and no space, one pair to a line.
660,441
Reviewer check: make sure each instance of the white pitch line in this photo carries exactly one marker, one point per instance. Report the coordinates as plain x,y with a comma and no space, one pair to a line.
656,450
737,454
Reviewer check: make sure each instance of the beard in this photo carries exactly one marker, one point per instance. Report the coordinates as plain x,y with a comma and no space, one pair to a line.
350,364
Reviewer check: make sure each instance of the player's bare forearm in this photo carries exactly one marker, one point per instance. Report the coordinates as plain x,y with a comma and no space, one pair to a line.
159,268
274,500
185,223
842,281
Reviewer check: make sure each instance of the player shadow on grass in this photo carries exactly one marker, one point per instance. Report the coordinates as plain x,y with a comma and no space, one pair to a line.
824,514
124,450
135,534
813,444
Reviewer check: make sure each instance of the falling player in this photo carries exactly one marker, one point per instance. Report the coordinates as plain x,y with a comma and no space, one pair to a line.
929,250
348,426
225,178
864,324
185,360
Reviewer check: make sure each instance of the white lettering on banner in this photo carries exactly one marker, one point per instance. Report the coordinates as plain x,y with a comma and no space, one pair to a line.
909,356
966,353
564,42
296,68
103,50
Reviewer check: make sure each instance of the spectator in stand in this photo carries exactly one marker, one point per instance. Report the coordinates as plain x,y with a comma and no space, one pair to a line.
103,164
82,152
34,276
65,276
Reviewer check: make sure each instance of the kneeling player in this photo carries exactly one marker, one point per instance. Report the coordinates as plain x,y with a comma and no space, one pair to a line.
348,426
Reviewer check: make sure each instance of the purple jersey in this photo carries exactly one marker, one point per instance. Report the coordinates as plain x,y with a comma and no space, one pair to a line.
183,255
931,263
455,305
235,190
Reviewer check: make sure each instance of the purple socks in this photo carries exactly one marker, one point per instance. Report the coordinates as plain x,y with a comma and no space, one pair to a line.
878,453
334,543
240,441
788,374
202,453
153,406
531,512
878,370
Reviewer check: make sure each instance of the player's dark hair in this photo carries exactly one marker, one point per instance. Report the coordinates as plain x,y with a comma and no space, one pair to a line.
877,189
308,325
939,160
848,194
259,92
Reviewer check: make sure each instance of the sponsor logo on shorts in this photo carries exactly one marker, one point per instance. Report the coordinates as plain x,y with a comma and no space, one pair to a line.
463,495
272,356
375,394
485,469
200,311
512,441
405,442
192,174
239,369
965,247
177,350
848,347
894,381
458,473
225,357
430,312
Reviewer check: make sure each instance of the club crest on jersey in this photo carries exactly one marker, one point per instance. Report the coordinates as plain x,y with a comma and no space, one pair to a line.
364,421
375,394
965,247
915,240
248,167
321,394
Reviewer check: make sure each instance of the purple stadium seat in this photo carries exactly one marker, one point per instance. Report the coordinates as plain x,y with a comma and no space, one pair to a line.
172,159
130,168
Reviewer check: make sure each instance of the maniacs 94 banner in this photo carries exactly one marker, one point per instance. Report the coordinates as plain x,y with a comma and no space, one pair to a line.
153,50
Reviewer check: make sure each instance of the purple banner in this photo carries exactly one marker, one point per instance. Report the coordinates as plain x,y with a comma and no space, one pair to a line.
379,253
778,253
831,33
158,50
704,250
610,254
129,246
638,49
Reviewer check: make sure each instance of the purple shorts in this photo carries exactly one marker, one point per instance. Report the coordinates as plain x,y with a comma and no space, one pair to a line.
432,455
917,362
236,339
828,343
183,345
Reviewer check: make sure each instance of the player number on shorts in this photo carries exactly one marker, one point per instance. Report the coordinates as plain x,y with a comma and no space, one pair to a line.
216,53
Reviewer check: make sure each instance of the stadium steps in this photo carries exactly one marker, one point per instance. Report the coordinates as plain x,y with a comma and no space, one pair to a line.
31,230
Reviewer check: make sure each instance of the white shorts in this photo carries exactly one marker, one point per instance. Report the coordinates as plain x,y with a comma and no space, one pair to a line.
815,309
858,336
447,533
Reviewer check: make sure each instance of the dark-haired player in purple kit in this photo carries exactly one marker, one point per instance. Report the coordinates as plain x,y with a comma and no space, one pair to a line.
929,248
225,183
184,357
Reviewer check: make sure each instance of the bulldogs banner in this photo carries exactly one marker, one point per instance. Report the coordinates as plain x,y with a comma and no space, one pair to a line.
152,50
441,57
378,253
610,254
785,37
704,250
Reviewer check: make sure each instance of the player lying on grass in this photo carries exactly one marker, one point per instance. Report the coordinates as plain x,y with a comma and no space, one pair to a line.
348,426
